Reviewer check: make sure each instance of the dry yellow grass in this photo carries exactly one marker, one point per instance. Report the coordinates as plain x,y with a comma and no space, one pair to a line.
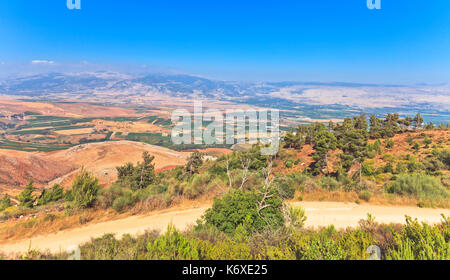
15,230
376,199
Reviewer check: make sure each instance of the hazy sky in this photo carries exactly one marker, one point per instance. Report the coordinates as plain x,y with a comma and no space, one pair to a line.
306,40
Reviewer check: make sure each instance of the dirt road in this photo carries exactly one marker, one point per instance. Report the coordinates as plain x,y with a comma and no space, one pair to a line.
341,215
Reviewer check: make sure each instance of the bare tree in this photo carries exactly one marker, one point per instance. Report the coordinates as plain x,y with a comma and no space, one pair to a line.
229,175
267,189
245,164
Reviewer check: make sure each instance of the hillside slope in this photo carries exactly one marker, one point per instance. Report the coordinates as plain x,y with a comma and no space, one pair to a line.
17,168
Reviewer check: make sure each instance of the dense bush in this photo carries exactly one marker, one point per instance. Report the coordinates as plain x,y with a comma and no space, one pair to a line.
444,156
5,202
173,246
289,163
365,195
390,143
195,160
54,194
329,183
298,180
234,208
85,188
26,197
68,196
140,176
108,196
296,218
421,242
198,185
433,165
418,186
286,187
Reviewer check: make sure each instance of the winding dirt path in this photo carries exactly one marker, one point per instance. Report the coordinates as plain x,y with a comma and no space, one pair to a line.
341,215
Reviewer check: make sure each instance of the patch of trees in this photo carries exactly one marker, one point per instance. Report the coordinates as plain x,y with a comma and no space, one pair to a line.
140,176
27,198
83,194
253,205
5,202
195,160
85,188
56,193
351,136
353,139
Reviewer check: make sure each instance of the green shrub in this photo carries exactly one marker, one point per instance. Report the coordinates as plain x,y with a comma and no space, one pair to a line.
433,165
388,168
228,212
143,194
117,197
365,195
173,246
26,197
85,189
444,156
368,169
5,202
195,160
227,249
427,141
84,219
298,180
54,194
410,139
371,154
318,247
199,184
418,186
286,187
329,183
122,202
377,146
402,167
388,157
108,247
445,180
296,217
68,196
140,176
289,163
421,242
414,166
390,143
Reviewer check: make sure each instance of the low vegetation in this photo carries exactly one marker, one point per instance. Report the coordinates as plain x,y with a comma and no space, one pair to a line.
412,241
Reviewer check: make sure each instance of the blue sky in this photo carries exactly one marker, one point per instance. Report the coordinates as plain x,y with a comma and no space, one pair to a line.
307,40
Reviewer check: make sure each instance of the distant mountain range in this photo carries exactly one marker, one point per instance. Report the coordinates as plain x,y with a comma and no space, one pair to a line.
311,99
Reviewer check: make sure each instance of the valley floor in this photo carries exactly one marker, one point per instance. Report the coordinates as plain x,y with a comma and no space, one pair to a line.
341,215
